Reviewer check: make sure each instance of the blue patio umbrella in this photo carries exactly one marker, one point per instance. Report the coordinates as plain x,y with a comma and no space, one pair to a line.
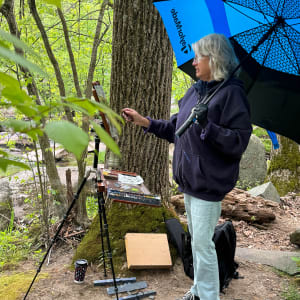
266,38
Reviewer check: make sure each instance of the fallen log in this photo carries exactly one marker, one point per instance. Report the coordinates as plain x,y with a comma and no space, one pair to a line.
239,205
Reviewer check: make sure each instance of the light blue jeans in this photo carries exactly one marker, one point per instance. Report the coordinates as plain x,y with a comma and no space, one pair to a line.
202,217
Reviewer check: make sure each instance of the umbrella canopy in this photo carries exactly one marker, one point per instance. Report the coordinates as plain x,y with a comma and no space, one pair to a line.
266,38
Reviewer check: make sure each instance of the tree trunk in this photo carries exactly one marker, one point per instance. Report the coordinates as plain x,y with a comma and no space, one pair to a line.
284,170
141,79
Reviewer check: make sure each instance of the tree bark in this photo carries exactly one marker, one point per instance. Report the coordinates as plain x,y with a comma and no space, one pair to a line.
141,78
284,169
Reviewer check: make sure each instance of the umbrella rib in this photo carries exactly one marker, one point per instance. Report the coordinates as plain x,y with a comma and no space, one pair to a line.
226,1
292,49
260,23
261,11
275,11
260,67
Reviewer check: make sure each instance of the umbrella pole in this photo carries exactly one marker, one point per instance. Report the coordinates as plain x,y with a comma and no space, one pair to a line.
254,48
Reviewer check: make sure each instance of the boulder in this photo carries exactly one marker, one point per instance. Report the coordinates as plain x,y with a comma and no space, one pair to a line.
295,237
253,165
267,191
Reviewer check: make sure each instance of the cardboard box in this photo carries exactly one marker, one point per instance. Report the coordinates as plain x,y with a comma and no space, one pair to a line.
147,251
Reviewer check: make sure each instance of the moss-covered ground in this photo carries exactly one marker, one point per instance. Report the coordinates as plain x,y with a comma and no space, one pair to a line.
14,286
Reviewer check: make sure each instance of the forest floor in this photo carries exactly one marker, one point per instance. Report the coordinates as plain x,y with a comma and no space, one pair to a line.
258,282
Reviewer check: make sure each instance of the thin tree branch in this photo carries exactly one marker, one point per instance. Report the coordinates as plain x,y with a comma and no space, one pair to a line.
88,88
70,51
51,56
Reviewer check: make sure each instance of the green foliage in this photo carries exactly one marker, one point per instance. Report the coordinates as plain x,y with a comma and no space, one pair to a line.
57,3
91,207
262,134
12,91
15,245
12,56
5,163
292,293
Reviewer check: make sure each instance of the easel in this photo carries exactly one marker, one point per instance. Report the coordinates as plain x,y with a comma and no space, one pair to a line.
100,187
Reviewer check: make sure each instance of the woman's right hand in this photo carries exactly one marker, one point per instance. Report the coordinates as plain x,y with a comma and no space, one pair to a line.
130,115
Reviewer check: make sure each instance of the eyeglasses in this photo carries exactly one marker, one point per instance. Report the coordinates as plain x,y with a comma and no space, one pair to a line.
197,58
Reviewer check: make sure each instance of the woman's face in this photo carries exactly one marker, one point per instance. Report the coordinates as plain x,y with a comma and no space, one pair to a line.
201,65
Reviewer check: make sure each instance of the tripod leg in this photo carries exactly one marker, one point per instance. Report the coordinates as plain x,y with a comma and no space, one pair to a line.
76,196
101,234
109,254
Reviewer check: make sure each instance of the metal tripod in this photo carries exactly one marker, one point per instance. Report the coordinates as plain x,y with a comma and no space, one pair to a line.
102,216
59,229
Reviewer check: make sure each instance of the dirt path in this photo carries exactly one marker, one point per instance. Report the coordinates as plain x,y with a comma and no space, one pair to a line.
258,283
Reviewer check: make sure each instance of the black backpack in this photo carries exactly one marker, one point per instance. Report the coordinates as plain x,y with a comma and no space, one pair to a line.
225,242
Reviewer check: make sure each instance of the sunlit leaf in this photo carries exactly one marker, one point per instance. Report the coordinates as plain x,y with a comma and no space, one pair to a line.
73,138
23,126
17,42
28,111
83,103
34,132
15,95
53,2
106,138
7,80
16,125
3,153
4,163
11,55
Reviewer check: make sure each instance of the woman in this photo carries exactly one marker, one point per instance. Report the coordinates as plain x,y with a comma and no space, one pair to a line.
207,155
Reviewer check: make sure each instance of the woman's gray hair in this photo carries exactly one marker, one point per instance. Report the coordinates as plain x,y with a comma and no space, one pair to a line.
220,51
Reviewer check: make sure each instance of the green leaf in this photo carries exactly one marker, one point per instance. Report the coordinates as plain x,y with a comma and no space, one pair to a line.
11,55
57,3
86,104
3,153
106,138
111,115
16,125
4,163
27,110
73,138
23,126
17,42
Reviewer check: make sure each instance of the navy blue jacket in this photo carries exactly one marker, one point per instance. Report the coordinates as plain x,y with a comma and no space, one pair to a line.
206,160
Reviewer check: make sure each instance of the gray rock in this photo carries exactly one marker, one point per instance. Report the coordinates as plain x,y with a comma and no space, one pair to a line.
253,165
281,260
295,237
267,191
